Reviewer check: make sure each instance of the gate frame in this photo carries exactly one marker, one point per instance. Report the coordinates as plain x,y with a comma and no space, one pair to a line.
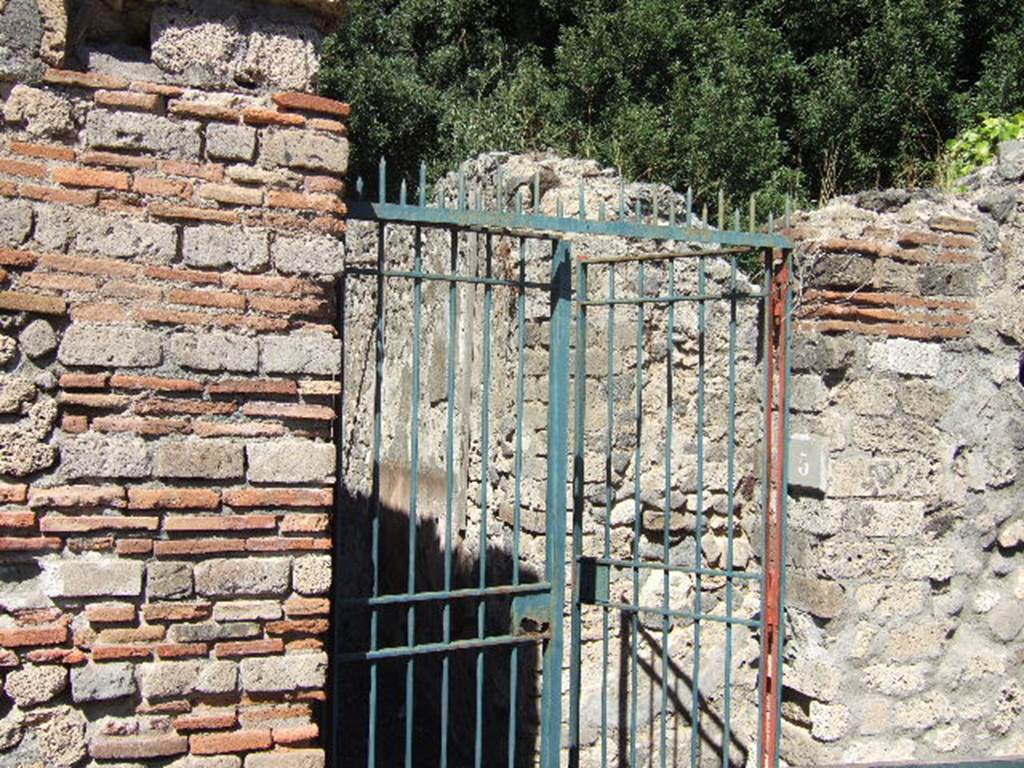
518,223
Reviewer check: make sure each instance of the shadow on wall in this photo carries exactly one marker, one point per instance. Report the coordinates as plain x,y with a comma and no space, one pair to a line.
354,579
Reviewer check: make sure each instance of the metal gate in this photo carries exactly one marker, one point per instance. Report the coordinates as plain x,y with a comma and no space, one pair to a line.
451,563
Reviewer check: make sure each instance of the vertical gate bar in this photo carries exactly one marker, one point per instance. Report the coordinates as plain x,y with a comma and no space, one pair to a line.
576,631
666,535
517,501
730,472
609,436
485,430
378,382
557,450
414,469
635,618
766,637
453,310
699,519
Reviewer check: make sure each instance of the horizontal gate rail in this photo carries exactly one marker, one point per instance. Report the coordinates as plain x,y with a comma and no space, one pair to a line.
451,646
401,598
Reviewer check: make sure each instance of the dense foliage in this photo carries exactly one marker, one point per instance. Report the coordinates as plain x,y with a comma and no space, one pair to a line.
767,96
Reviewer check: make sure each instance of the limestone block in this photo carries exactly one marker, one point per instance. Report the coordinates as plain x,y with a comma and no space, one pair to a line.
937,563
297,148
924,712
8,346
180,139
808,393
15,222
885,519
906,357
21,31
280,56
53,737
199,46
297,758
291,461
167,679
820,597
169,580
119,237
220,761
219,246
211,631
308,255
308,352
829,722
42,112
215,351
1007,619
251,577
92,575
110,346
291,672
817,678
98,455
247,610
102,682
214,459
230,142
217,677
33,685
312,574
37,339
54,17
897,679
919,640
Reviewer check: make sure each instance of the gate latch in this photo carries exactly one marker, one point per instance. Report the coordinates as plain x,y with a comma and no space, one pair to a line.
594,579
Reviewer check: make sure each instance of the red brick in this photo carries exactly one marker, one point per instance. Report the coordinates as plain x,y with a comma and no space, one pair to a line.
204,111
74,425
295,734
182,275
238,648
146,634
173,498
120,653
256,116
99,312
222,299
22,168
207,171
124,289
68,656
58,281
94,400
231,194
89,266
189,213
17,518
309,103
215,319
84,177
324,184
41,616
82,79
14,258
288,285
319,388
118,205
30,302
146,102
153,185
162,405
176,611
228,743
91,543
305,523
288,411
297,627
134,546
86,197
118,160
157,383
331,126
220,522
182,650
186,547
287,544
8,189
22,637
902,330
43,151
140,425
205,720
329,224
307,606
844,245
958,241
277,198
137,747
283,306
172,707
77,496
952,224
278,712
279,497
254,387
237,429
87,523
13,493
33,544
110,613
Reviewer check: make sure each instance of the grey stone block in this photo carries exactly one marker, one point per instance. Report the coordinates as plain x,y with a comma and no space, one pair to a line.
38,339
102,682
906,357
167,679
297,148
220,246
92,576
281,56
215,351
311,574
97,455
297,758
211,631
214,459
198,47
1011,160
318,255
309,352
220,761
180,139
110,346
15,222
251,577
21,30
284,673
230,142
217,677
42,112
33,685
119,237
247,610
291,461
169,580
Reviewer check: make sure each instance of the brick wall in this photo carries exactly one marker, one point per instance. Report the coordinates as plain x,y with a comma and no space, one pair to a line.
169,371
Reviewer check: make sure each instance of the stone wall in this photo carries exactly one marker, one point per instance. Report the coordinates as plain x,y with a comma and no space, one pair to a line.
169,367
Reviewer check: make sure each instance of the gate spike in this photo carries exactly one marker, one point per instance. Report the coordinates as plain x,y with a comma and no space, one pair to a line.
771,222
582,202
402,193
536,191
654,205
704,219
423,185
359,187
501,189
558,207
622,199
382,180
753,214
721,208
462,190
519,201
672,209
638,208
689,210
736,220
787,220
601,212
